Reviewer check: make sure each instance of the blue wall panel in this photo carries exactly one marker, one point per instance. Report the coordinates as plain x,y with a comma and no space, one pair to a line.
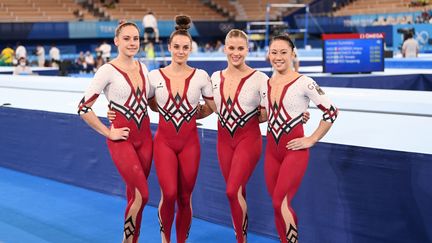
15,31
34,31
399,82
55,30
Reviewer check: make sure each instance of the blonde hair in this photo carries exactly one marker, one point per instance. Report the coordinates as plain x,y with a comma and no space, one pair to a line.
123,23
236,33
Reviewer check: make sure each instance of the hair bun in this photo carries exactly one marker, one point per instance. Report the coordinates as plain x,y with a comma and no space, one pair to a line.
182,22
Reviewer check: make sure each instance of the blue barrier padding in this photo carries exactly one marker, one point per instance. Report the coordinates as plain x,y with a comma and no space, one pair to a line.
356,194
15,31
399,82
408,63
34,31
348,194
38,72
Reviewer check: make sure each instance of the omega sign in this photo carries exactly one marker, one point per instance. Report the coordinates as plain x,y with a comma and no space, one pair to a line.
372,36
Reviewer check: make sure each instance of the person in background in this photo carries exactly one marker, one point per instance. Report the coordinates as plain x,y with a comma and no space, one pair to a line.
54,54
22,68
20,51
7,55
40,53
99,60
219,46
80,61
208,47
89,59
149,51
150,26
105,49
410,47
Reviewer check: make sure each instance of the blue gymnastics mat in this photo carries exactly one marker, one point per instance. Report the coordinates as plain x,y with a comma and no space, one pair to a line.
38,210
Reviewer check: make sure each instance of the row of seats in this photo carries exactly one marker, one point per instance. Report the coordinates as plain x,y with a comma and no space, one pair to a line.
256,10
164,10
40,10
59,10
198,10
376,6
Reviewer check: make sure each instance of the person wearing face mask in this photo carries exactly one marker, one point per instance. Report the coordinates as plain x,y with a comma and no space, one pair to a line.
123,81
178,89
22,68
286,98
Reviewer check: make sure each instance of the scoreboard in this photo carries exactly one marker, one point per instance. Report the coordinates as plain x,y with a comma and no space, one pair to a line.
353,53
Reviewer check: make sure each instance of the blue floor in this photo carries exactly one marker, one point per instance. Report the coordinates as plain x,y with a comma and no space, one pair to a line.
38,210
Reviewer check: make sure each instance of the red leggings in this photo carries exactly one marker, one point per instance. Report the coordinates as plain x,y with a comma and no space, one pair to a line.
238,157
177,161
284,170
133,160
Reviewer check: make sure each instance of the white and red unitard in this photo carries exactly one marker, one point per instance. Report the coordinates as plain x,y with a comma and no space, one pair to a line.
132,156
176,146
239,141
283,168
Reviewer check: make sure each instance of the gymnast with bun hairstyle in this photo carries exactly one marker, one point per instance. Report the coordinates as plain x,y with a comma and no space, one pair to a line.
177,90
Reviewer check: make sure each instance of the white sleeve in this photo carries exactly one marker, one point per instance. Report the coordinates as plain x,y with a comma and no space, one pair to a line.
151,92
314,92
206,89
100,80
152,87
214,77
263,80
263,94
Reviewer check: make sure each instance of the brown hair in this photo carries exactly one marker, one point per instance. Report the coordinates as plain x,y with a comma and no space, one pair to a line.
123,23
182,26
283,37
236,33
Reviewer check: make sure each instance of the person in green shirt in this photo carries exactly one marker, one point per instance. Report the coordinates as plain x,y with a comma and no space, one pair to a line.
6,56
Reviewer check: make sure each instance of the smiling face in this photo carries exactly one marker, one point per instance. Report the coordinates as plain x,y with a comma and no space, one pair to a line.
180,48
127,41
236,50
281,56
